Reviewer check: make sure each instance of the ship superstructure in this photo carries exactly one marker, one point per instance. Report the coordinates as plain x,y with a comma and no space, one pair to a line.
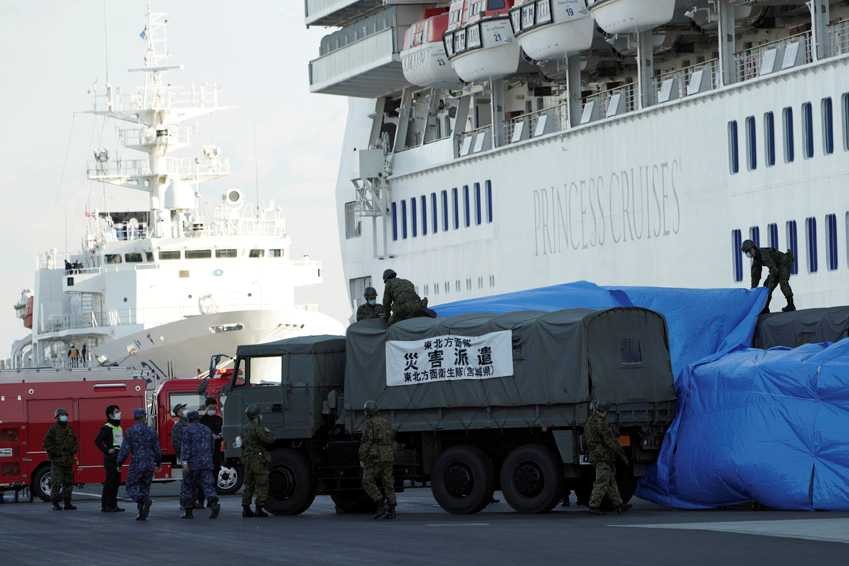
166,287
621,141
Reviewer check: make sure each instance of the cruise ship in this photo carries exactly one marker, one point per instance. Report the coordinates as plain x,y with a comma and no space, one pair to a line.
497,145
162,289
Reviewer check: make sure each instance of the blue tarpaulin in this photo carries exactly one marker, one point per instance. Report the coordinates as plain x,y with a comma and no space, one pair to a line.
752,425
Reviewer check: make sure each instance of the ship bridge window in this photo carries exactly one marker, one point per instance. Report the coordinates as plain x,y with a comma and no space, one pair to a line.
257,253
198,254
229,252
769,139
808,130
133,258
113,258
827,126
169,254
733,149
789,142
275,252
811,241
736,254
793,245
831,240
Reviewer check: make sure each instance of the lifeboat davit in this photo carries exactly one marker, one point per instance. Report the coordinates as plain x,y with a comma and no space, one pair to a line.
552,29
630,16
423,57
479,40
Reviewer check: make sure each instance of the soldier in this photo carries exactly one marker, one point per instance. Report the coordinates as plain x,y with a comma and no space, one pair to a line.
197,467
140,442
370,309
779,265
400,300
179,427
604,450
61,446
377,458
109,441
211,420
255,439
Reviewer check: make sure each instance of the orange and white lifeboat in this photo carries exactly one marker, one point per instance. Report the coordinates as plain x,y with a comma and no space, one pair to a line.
423,57
552,29
631,16
479,40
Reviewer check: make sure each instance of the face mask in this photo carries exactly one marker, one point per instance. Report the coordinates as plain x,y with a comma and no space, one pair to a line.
116,416
749,255
210,412
372,302
63,419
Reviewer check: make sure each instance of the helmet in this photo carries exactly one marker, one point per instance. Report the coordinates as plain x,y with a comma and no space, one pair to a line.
370,293
389,274
252,411
748,246
58,412
370,407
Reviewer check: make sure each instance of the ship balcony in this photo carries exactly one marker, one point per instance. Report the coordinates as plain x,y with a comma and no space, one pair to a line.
364,60
336,13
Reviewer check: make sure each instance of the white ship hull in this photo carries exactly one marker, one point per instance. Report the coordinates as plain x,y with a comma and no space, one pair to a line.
182,348
641,199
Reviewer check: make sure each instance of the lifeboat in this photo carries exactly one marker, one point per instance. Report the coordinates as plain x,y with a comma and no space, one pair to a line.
423,57
552,29
479,40
631,16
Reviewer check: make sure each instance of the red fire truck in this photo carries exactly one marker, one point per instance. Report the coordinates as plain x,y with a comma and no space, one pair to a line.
28,399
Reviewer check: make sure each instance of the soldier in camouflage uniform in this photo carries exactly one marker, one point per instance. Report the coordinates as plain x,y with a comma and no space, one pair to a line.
604,450
400,300
377,458
779,265
61,446
255,439
370,309
140,442
197,467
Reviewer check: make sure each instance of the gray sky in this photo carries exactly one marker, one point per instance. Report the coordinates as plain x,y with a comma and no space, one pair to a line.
52,51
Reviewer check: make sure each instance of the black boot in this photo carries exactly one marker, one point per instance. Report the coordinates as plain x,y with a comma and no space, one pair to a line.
247,513
390,512
187,514
56,506
214,508
260,512
68,506
790,306
139,511
622,508
381,510
145,510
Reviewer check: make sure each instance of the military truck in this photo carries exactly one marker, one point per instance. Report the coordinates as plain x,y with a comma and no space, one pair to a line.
478,403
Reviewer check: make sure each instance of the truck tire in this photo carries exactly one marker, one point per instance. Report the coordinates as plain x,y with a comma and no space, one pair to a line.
463,480
356,501
532,479
41,483
230,478
291,489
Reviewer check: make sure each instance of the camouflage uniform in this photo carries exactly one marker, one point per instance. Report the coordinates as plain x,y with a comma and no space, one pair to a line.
141,442
377,456
367,312
400,300
604,450
255,439
61,446
197,453
779,265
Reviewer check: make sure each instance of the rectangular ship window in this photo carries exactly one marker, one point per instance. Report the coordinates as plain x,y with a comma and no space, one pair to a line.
751,144
456,197
169,254
205,254
755,235
253,253
467,211
275,252
736,254
827,126
793,245
489,202
424,215
433,213
772,229
395,221
444,211
478,217
226,253
733,150
769,139
845,106
789,142
133,258
413,218
808,130
831,240
811,241
404,219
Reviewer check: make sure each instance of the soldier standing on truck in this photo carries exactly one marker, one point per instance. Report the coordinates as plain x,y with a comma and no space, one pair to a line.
61,446
109,441
197,467
604,450
377,458
370,309
140,442
255,439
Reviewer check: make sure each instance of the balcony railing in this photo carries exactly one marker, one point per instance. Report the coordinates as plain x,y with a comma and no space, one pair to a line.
840,37
774,56
535,124
688,81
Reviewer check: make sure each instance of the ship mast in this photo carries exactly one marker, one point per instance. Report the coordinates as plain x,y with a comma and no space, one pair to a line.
157,112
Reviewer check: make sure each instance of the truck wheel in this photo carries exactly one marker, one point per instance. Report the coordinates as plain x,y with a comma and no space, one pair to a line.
463,480
230,478
356,501
532,479
41,483
291,487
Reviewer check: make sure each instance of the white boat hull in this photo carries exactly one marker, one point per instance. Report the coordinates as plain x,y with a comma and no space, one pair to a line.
427,65
631,16
498,57
559,39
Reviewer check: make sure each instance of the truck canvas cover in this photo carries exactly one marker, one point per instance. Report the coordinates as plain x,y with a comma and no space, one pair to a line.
810,326
618,355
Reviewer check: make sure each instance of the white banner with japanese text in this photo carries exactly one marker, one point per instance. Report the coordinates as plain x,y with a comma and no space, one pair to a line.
449,358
